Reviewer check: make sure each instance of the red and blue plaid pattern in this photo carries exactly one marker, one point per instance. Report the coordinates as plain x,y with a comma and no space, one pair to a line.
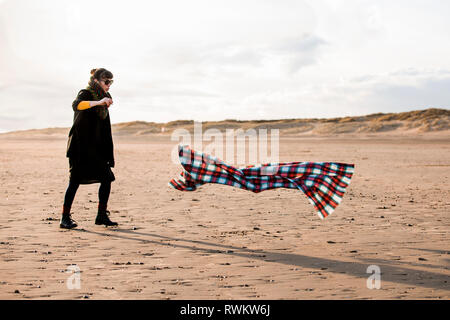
324,183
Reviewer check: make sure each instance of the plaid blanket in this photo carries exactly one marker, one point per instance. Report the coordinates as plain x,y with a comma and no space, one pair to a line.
324,183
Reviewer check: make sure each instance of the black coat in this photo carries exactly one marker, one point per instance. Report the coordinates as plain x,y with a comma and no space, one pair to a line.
90,146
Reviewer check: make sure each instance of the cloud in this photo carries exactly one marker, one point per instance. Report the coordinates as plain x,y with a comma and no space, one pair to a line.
233,55
301,44
11,123
300,51
293,52
430,92
368,94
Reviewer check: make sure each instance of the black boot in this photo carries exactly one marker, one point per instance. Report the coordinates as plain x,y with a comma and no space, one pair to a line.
102,218
67,222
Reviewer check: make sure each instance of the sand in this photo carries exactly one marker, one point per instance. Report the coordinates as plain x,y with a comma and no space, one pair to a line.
225,243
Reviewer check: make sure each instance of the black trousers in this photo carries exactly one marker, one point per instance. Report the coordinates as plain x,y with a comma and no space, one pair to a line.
103,193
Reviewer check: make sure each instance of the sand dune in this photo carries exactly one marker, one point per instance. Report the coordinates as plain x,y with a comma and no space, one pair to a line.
405,123
422,121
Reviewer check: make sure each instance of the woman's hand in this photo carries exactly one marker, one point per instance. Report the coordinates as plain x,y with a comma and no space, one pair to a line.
105,101
110,102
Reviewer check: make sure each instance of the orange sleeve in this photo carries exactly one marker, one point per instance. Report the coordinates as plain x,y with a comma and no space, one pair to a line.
83,105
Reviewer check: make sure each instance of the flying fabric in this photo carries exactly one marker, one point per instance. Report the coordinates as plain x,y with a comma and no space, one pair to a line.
324,183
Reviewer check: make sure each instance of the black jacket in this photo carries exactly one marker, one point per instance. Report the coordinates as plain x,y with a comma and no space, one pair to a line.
90,146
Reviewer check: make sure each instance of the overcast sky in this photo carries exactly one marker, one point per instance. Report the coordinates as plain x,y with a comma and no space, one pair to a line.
213,60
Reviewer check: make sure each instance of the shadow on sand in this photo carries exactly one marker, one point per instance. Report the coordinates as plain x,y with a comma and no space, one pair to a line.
389,271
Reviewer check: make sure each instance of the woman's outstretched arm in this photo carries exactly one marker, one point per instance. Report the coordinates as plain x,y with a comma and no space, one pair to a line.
83,105
84,98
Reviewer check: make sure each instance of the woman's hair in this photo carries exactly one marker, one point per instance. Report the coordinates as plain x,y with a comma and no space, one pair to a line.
101,73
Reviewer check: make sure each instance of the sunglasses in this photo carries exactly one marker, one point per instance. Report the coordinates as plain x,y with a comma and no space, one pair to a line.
108,82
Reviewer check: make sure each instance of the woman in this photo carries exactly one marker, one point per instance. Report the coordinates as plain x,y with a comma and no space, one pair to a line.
90,146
